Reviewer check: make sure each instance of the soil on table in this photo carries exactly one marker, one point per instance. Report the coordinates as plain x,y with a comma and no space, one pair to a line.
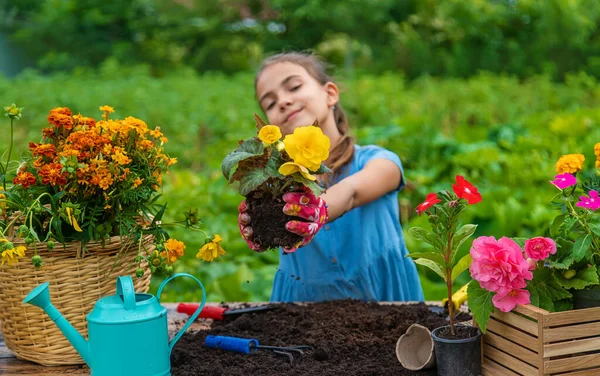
268,222
349,337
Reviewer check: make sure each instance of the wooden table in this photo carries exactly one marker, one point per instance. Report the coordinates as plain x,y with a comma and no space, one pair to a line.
11,366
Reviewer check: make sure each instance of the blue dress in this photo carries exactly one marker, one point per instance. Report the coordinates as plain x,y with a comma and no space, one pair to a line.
360,255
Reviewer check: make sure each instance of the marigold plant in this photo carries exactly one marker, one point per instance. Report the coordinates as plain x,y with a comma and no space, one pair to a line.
88,180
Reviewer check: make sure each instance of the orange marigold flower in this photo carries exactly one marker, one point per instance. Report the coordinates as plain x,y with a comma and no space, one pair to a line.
171,161
49,132
61,121
38,163
25,179
137,182
156,133
52,174
61,111
47,150
174,249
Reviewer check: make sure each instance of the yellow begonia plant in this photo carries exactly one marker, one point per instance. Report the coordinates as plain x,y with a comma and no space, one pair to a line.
270,164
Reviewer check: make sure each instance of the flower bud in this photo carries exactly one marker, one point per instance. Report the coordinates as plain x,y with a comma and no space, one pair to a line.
169,270
50,245
569,274
36,261
532,263
160,247
23,231
29,239
139,273
138,258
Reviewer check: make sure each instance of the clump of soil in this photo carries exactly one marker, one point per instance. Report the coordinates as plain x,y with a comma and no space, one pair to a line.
268,221
349,337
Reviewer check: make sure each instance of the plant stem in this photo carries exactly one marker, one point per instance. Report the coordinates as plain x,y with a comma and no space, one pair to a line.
450,302
9,152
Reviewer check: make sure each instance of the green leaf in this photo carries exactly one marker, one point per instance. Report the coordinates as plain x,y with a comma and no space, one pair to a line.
462,265
252,146
251,180
582,279
431,265
563,305
555,226
426,236
312,185
274,163
595,227
480,303
563,258
231,160
548,288
463,233
581,246
433,256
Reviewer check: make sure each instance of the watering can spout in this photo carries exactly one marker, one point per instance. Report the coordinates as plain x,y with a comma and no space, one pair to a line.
40,297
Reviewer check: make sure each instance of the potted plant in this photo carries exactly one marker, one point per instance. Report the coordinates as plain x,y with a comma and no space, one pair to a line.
457,347
266,166
77,212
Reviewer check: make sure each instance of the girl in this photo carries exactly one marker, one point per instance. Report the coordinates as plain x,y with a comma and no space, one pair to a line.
360,252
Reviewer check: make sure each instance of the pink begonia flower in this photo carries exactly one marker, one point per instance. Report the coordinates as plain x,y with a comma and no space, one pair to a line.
592,202
499,265
562,181
539,248
507,301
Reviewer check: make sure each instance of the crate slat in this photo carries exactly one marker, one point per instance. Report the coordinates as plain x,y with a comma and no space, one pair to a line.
507,346
509,361
572,347
572,364
491,368
515,320
587,372
571,317
530,311
564,333
512,334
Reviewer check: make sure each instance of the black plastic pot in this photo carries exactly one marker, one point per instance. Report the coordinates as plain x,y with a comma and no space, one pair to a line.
457,357
586,298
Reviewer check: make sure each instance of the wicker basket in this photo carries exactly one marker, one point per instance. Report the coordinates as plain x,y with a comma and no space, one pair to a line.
78,278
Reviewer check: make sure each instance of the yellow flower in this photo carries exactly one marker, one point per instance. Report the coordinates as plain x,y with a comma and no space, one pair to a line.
72,220
290,168
211,250
570,163
269,134
2,199
597,149
108,109
307,146
137,182
10,256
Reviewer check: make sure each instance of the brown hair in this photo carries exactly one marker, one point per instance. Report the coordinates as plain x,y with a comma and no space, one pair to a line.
342,153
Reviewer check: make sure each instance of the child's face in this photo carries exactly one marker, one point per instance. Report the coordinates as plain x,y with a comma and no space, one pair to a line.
291,97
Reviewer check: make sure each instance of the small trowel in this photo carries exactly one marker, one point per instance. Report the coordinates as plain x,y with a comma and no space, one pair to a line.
219,313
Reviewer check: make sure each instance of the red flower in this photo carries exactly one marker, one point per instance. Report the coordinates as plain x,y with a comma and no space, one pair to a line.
430,200
466,190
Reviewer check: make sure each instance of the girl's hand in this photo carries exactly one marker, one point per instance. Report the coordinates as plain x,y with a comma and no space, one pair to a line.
245,228
309,207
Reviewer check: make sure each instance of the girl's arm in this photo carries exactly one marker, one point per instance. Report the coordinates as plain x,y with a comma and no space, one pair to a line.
378,177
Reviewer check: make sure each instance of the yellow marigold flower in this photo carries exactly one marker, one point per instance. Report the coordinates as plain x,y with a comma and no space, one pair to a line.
10,256
137,182
269,134
211,250
174,250
307,146
171,161
290,168
2,198
121,158
108,109
570,163
597,149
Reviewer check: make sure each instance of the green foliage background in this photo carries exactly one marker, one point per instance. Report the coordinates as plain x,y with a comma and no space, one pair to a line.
503,133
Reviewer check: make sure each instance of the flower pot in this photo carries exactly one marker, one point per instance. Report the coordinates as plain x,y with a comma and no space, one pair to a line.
415,348
586,298
458,356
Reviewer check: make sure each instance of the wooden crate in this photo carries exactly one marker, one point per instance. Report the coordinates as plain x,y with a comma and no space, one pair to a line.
533,341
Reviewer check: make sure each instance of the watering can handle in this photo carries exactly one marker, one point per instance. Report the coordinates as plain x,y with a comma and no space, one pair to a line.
126,290
194,316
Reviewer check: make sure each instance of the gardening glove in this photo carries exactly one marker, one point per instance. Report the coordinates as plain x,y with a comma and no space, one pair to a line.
245,228
309,207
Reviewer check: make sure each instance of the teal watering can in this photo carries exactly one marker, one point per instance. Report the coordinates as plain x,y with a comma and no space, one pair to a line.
127,332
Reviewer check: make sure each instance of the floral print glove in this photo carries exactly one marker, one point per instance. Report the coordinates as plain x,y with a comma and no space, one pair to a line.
245,228
307,206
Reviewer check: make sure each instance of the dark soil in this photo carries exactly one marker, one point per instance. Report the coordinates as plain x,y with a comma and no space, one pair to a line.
460,332
349,338
268,222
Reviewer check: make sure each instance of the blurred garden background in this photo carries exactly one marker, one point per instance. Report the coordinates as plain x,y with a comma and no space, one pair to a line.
495,90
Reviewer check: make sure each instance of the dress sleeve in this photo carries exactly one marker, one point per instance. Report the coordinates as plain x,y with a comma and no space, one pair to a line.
371,152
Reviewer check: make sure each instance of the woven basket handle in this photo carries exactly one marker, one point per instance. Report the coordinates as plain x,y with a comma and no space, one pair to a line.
126,291
192,317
